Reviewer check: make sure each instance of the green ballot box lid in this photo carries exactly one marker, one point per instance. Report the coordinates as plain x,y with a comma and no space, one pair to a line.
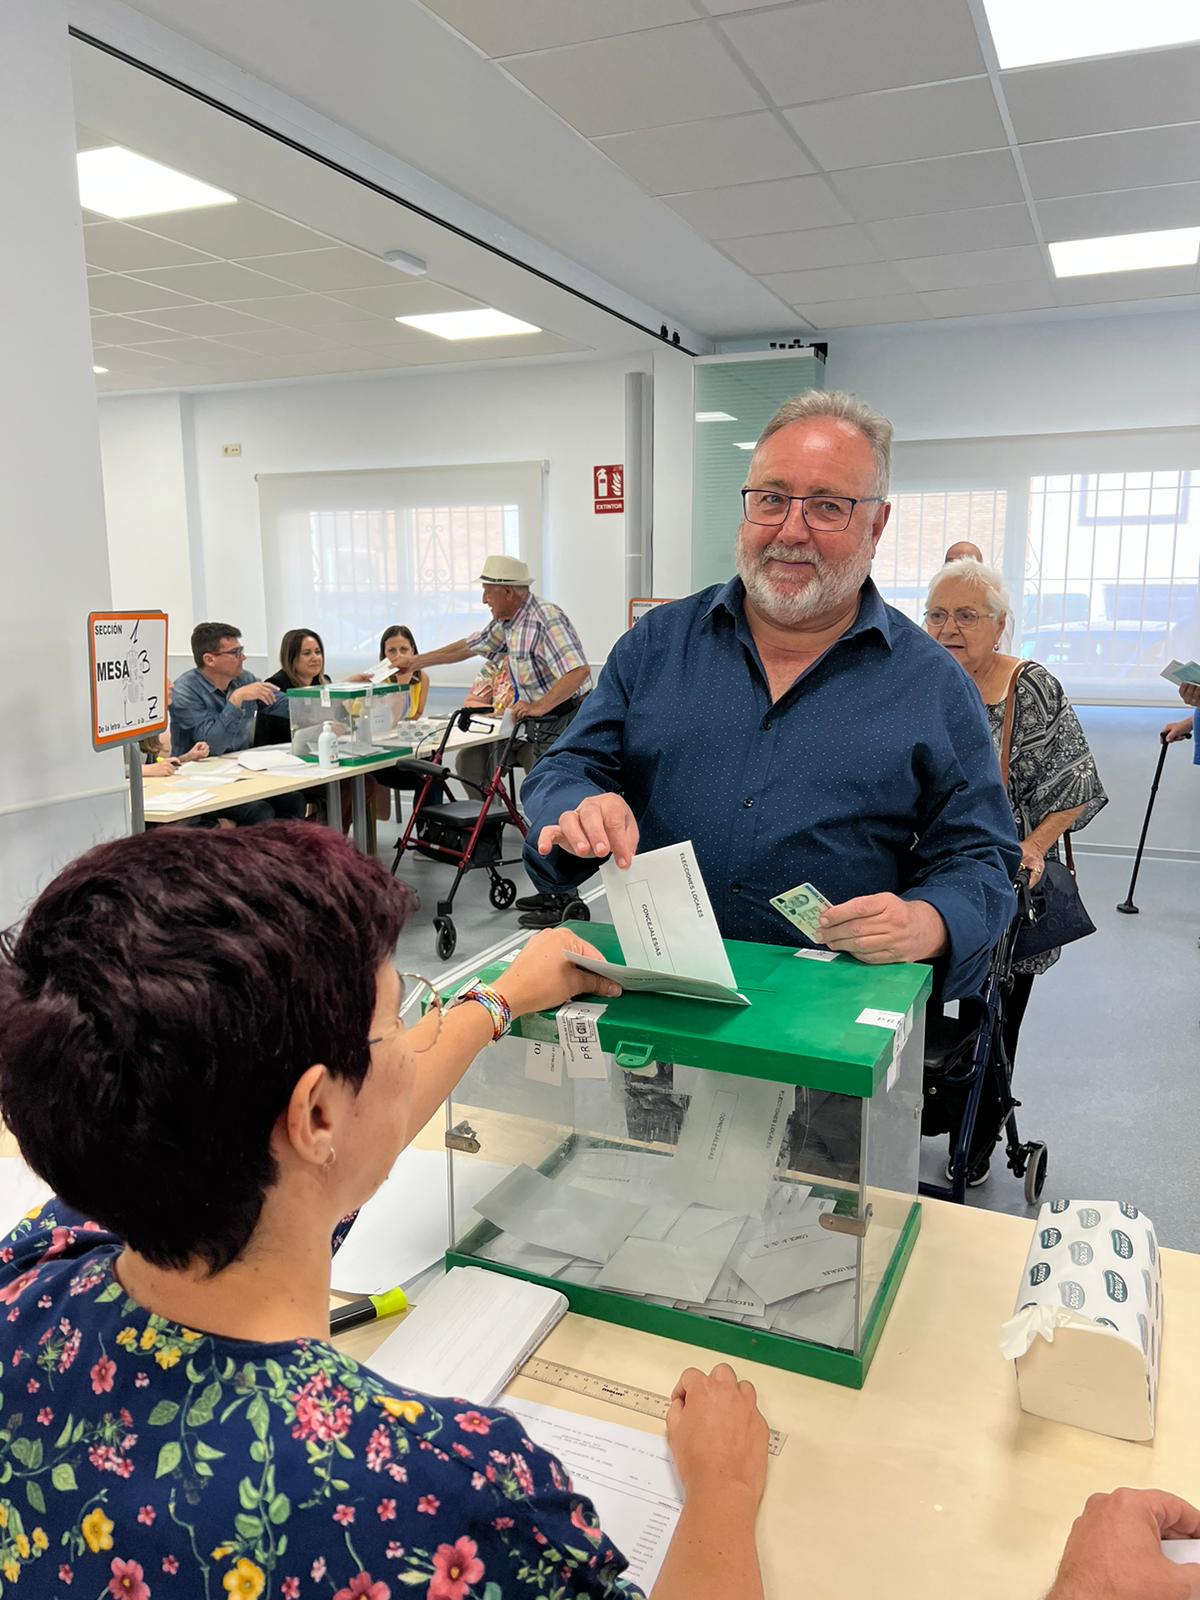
803,1025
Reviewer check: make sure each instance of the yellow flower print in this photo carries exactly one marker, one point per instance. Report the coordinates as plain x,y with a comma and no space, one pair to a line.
245,1582
408,1410
40,1541
97,1531
3,1514
167,1358
221,1552
127,1338
189,1337
22,1547
149,1338
11,1570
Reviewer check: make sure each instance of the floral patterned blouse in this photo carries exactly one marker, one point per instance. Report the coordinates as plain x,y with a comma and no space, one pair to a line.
141,1460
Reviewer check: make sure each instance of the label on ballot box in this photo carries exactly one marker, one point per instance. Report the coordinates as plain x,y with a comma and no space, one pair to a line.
1086,1333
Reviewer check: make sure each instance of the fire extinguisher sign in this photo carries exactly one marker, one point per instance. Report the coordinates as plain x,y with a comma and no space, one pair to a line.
608,489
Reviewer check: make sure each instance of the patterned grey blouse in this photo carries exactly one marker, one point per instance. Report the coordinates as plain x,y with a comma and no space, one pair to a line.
1050,766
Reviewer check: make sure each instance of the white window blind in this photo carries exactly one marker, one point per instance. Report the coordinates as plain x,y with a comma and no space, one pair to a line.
350,553
1098,537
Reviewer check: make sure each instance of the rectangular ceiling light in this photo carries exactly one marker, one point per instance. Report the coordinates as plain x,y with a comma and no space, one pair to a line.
482,324
750,444
119,183
99,370
714,416
1028,32
1126,252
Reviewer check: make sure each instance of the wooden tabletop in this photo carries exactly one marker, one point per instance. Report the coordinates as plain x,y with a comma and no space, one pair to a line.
930,1483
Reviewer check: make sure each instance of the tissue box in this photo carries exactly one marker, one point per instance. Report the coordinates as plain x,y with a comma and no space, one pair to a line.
1086,1334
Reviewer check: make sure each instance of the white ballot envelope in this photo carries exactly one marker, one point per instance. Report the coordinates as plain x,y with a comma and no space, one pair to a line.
642,980
1086,1333
727,1151
661,911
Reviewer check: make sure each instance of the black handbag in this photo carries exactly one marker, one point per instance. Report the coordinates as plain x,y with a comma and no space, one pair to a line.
1057,914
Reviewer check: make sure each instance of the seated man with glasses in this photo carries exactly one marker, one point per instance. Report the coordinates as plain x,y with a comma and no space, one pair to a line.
217,703
796,729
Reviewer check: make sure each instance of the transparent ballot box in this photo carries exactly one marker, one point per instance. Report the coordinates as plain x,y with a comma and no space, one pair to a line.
741,1178
369,720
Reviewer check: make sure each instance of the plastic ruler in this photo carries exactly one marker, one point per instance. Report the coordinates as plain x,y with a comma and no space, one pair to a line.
616,1393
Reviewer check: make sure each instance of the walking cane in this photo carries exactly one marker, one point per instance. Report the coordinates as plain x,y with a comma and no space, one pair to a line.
1127,905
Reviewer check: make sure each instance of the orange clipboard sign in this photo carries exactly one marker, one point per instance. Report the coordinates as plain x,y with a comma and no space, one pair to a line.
127,660
639,608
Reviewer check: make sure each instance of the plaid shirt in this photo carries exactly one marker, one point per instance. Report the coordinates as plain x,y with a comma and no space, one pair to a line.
537,647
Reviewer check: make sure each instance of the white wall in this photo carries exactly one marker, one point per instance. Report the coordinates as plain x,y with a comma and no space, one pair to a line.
145,506
56,794
571,414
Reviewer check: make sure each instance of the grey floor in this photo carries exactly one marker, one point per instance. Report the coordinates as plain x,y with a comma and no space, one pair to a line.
1109,1058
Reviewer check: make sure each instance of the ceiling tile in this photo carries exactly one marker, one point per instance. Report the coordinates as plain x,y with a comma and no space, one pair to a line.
864,313
339,268
1142,90
1108,161
987,299
1093,216
709,154
988,228
507,27
117,247
841,47
215,280
872,278
720,8
302,311
128,330
94,272
640,80
280,341
1104,286
135,358
950,183
405,297
811,247
197,352
207,321
1022,263
938,119
117,293
236,231
749,208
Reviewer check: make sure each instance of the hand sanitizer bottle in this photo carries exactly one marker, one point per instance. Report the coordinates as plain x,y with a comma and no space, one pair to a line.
327,746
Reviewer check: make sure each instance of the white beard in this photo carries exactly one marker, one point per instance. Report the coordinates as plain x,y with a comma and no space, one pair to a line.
826,592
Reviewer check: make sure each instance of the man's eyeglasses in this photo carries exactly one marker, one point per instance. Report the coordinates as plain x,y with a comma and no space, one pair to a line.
937,618
413,989
823,513
237,654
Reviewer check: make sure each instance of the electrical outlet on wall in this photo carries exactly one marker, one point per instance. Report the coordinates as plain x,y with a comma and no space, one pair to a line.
231,449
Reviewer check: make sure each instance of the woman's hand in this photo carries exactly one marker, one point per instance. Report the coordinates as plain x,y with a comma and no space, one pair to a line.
1033,860
162,767
541,978
357,677
717,1435
198,752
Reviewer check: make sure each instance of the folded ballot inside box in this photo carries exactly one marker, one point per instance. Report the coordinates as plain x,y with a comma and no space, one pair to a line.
1086,1334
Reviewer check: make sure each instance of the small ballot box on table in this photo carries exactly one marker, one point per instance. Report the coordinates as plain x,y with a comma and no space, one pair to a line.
743,1178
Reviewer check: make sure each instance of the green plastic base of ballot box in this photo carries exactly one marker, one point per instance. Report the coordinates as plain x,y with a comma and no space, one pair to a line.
350,762
729,1338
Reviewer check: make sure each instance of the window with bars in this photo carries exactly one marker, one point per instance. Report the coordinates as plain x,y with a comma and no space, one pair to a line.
923,527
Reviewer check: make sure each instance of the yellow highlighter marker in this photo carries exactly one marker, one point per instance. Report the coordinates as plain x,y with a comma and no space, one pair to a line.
367,1309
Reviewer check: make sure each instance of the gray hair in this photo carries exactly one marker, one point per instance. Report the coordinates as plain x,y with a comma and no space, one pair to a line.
987,579
819,404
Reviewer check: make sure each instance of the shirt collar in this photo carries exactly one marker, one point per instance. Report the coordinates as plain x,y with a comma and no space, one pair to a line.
872,612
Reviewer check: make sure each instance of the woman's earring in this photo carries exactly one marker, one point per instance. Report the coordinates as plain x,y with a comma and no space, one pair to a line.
331,1157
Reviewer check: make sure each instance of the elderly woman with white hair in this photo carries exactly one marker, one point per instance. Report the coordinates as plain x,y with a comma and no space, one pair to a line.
1051,778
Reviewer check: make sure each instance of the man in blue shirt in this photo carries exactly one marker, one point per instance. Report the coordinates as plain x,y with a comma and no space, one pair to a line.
795,728
217,702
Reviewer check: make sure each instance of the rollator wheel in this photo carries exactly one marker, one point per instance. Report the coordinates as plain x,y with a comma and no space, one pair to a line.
1035,1173
576,911
447,937
502,893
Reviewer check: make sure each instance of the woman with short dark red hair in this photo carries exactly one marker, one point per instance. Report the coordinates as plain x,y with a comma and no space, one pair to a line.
208,1098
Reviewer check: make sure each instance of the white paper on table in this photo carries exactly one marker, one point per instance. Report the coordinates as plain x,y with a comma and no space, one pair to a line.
21,1191
404,1226
1181,1551
663,917
179,799
807,1259
627,1473
727,1151
678,1269
557,1216
272,758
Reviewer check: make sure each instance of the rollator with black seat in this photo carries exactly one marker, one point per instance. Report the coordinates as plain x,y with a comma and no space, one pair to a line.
467,834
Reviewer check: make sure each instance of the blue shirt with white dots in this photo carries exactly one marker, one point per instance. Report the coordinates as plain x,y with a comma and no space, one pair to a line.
874,772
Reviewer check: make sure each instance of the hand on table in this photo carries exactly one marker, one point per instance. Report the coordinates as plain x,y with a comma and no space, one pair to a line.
717,1434
541,978
1033,860
601,825
1113,1550
198,752
1175,731
265,692
164,767
878,928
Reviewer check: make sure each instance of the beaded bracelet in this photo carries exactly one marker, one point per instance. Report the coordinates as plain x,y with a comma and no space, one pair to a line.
496,1006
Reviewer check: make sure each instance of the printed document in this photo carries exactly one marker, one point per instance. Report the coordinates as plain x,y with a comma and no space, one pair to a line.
661,911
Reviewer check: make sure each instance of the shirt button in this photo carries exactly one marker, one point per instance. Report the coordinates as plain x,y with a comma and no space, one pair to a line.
766,724
735,888
748,804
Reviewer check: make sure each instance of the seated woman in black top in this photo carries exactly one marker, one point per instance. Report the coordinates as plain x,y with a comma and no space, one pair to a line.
302,663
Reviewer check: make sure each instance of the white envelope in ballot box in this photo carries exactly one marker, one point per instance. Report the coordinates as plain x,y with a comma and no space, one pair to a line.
1086,1334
